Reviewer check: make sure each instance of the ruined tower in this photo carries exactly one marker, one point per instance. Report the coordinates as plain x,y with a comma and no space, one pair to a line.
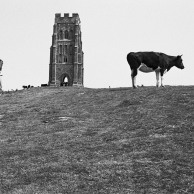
66,55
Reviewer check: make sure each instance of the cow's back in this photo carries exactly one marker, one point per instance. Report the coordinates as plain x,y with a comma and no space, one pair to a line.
151,59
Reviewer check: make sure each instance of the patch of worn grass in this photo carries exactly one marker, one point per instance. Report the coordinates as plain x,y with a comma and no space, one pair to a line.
81,140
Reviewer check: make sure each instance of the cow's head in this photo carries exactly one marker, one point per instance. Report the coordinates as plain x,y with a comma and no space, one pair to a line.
179,62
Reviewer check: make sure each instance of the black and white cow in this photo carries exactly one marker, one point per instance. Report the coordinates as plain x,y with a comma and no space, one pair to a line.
150,62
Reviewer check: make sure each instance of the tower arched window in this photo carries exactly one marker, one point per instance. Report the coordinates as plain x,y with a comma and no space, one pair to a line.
79,58
61,34
65,49
60,58
65,59
71,34
60,49
66,34
79,49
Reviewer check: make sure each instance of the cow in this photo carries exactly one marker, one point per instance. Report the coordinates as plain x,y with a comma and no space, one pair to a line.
25,87
150,62
44,85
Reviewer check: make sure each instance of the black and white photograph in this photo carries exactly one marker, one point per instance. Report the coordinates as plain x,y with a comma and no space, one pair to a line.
96,97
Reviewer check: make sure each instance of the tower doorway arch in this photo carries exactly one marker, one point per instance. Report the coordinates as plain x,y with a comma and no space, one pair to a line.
65,80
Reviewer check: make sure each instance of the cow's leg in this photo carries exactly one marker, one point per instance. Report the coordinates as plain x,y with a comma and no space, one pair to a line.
134,63
157,78
162,72
133,77
162,81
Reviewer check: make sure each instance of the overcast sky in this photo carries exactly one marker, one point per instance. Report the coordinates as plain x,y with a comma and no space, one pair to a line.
110,30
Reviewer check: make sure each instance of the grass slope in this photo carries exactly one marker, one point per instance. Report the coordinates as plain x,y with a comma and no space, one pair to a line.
80,140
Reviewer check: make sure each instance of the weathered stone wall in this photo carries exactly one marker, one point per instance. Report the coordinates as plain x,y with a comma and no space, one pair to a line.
62,70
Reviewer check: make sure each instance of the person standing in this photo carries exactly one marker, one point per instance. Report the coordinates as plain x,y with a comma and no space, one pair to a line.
1,65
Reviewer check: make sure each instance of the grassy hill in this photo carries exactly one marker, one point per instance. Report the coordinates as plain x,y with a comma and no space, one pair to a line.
81,140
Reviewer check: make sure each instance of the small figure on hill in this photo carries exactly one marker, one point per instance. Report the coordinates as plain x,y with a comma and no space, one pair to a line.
66,81
27,87
1,65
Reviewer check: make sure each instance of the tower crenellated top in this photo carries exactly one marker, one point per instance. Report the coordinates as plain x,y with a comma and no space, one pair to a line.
66,18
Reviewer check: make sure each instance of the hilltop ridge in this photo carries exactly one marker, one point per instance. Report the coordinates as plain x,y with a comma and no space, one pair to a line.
83,140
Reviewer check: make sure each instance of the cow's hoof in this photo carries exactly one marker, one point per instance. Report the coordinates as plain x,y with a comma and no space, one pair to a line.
162,86
134,87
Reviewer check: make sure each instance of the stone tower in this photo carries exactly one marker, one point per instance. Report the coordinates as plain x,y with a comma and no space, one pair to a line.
66,55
